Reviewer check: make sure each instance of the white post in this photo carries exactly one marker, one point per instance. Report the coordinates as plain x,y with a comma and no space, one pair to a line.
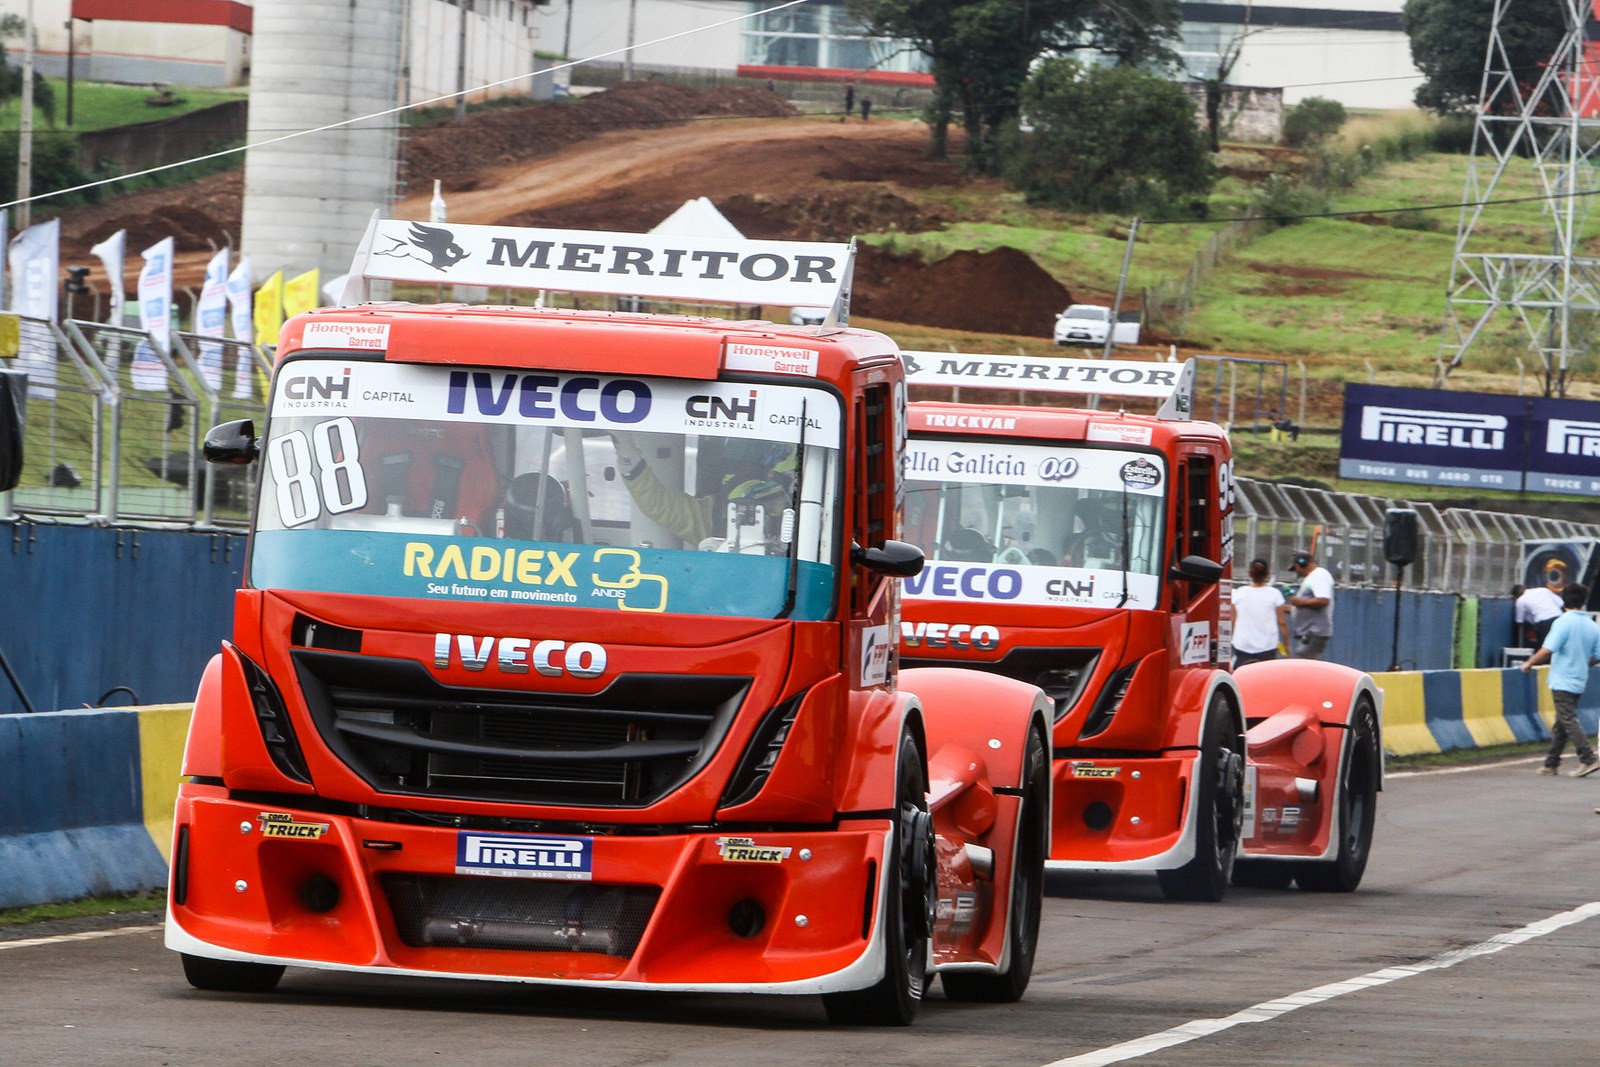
25,128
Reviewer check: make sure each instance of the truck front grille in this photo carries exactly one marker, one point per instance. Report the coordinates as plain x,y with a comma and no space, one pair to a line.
403,732
433,911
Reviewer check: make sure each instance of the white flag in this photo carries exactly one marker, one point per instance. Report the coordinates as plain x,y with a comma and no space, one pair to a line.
155,316
111,256
241,311
35,258
211,315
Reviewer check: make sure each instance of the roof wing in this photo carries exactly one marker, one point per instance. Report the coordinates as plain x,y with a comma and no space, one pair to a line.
716,270
1171,383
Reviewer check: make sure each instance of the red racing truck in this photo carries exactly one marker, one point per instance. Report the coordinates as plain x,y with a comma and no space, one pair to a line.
1089,551
565,653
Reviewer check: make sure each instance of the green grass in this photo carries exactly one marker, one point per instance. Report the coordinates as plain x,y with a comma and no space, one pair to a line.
77,909
98,106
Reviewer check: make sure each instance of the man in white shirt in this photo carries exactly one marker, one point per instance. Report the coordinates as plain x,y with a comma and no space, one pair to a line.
1312,624
1536,609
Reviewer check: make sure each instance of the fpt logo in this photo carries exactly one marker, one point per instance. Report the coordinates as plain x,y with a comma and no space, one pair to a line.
708,407
317,390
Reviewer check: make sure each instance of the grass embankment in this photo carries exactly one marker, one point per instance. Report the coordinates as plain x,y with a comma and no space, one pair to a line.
100,106
77,909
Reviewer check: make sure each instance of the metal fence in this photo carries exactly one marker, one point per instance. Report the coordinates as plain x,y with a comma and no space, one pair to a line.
118,443
1461,550
114,423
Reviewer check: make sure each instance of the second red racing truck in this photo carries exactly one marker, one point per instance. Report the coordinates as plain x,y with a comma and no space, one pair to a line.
565,653
1088,550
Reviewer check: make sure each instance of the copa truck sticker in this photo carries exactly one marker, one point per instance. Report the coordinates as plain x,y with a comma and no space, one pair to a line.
547,856
745,850
282,824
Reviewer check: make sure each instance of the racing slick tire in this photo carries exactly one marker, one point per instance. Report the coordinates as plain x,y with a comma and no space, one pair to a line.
230,976
1218,814
1027,891
1358,808
908,917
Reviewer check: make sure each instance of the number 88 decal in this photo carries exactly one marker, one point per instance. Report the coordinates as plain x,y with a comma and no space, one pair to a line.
335,482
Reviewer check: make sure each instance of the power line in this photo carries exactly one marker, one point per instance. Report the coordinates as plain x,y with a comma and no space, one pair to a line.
431,102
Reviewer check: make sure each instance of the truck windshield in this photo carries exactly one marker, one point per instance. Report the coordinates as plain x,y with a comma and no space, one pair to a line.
1035,523
576,490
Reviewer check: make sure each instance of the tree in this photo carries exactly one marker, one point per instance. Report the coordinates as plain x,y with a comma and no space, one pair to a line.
1450,43
44,98
980,51
1109,138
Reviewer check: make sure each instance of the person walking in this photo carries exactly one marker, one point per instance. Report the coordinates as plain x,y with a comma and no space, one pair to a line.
1571,647
1312,623
1260,618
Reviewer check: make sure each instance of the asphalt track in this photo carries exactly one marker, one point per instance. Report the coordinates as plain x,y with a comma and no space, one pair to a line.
1474,940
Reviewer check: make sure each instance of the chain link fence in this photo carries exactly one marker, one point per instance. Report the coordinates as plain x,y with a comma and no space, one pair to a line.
1461,550
114,424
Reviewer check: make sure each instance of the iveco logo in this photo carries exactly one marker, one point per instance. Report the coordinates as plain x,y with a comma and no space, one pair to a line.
514,655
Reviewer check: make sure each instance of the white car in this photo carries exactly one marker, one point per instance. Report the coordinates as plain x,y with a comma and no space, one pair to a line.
1086,324
807,316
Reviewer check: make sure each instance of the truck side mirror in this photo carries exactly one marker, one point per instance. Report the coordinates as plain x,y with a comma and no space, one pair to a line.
1197,569
895,558
232,442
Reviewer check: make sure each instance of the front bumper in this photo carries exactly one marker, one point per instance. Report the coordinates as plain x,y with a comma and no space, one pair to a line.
779,913
1123,814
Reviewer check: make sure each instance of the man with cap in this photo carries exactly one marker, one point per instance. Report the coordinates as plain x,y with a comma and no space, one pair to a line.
1537,607
1312,623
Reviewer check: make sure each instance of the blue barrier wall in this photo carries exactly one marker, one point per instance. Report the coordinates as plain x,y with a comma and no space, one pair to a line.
91,608
1363,629
72,808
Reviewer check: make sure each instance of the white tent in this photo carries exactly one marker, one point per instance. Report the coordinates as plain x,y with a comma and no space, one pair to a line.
697,218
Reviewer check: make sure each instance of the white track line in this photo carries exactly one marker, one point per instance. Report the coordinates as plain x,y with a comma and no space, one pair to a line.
1272,1009
1469,768
87,935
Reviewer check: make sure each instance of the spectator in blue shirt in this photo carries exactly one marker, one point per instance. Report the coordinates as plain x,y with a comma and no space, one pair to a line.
1571,647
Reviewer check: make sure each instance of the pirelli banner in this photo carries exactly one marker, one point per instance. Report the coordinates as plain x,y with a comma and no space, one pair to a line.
1483,440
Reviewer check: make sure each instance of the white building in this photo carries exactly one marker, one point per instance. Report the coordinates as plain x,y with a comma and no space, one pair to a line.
1352,51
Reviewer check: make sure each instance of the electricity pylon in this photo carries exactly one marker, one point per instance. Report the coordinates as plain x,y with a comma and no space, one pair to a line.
1549,120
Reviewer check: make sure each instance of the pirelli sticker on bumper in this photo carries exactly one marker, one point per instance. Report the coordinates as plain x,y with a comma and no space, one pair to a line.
282,824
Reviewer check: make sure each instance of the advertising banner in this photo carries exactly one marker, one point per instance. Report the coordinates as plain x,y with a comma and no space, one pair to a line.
155,316
1479,440
35,272
211,315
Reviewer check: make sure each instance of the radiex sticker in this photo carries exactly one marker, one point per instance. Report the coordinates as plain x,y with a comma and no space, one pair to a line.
282,824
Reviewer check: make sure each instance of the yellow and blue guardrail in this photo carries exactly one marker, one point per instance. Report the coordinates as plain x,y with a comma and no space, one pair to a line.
86,800
1439,711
